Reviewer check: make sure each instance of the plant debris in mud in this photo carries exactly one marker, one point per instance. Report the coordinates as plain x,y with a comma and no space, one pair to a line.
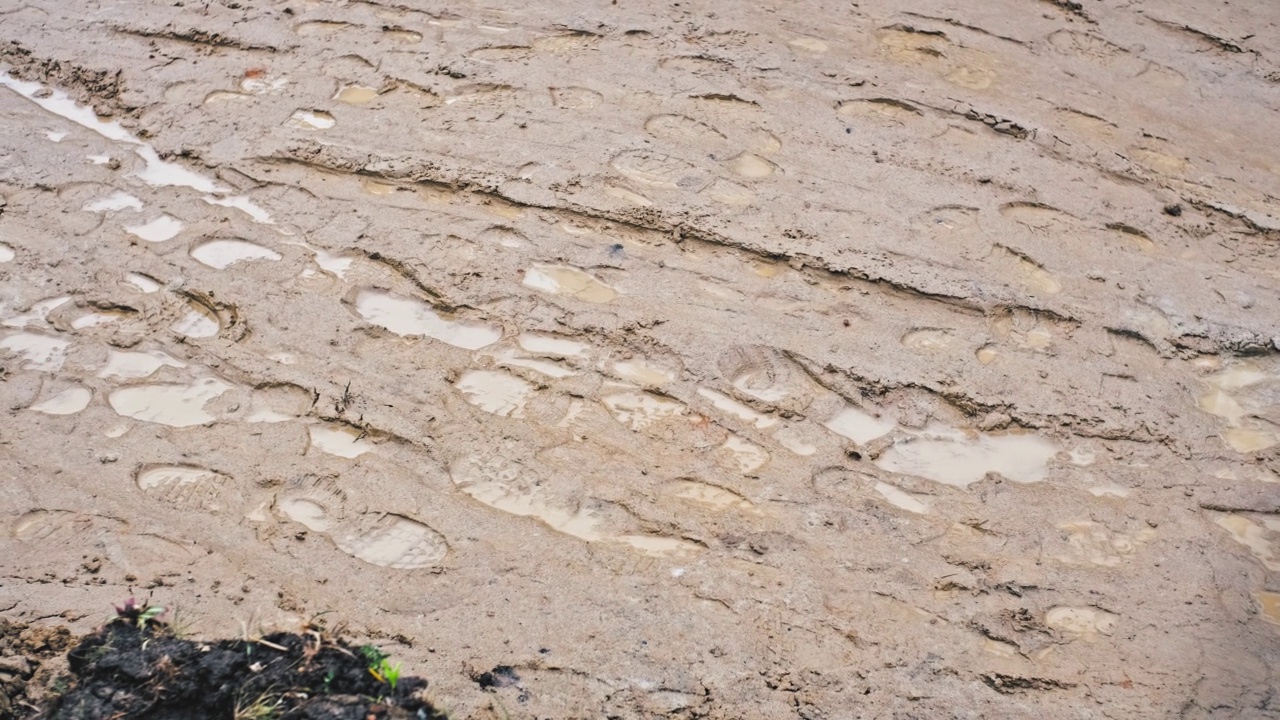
135,667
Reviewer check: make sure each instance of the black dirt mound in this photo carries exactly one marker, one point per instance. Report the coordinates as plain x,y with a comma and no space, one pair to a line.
144,673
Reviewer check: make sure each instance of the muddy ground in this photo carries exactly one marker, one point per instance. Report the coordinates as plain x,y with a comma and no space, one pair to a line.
703,359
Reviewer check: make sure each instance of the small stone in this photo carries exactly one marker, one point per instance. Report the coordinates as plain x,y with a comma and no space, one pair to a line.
15,664
1173,210
995,421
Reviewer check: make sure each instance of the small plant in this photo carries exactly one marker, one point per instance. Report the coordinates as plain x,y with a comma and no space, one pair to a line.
264,707
380,666
142,616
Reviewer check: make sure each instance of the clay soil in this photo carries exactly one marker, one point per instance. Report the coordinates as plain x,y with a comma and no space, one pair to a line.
890,359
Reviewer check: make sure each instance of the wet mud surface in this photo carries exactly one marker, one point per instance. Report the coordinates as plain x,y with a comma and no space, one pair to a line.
699,360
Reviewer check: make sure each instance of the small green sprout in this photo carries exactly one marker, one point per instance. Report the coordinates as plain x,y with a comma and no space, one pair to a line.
380,666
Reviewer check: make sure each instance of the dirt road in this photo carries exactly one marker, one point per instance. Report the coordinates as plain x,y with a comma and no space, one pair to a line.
701,359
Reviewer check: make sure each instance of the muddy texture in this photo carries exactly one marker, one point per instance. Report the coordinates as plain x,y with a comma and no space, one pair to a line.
140,670
899,359
30,656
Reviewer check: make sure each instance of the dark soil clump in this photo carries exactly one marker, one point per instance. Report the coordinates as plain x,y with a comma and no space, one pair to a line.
139,670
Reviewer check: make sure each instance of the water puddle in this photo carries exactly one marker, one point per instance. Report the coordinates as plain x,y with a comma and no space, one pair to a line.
1229,398
739,410
1083,622
38,314
336,264
378,187
952,458
311,120
222,254
67,402
639,410
199,322
643,372
1269,606
495,392
928,339
142,282
413,318
859,426
97,319
552,345
163,228
570,281
156,172
129,365
742,456
38,352
901,499
1115,491
341,440
172,405
1254,536
356,94
1091,543
114,202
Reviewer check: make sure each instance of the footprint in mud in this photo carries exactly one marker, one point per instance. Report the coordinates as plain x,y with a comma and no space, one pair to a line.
751,166
1260,534
1091,543
764,374
658,171
1024,329
883,111
38,352
576,98
339,440
1245,396
157,230
63,528
311,120
66,402
710,496
517,490
189,487
568,281
172,404
382,539
1086,623
222,254
928,339
499,393
1029,273
321,28
681,128
410,317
